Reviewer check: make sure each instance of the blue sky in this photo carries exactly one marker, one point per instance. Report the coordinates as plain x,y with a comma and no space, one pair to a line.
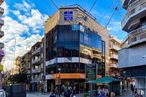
24,21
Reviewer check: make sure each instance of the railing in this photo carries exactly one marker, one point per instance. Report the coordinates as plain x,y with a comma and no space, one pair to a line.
1,22
1,10
113,56
36,51
1,33
113,65
1,45
36,70
133,9
115,47
137,35
35,60
36,79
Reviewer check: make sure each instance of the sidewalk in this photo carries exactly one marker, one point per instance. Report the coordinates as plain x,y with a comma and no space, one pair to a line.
38,94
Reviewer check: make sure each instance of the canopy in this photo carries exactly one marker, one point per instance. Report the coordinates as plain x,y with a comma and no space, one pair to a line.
106,79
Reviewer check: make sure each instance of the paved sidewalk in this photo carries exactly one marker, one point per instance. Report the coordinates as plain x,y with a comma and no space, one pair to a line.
37,94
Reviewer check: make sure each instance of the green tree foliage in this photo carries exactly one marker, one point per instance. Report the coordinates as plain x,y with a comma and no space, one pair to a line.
18,78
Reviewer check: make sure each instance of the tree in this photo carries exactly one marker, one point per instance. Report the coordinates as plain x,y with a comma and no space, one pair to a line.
18,78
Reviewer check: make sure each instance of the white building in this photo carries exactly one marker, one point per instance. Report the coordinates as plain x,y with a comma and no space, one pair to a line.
132,58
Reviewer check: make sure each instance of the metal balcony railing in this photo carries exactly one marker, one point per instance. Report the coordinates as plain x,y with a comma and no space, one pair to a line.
137,35
36,79
36,70
35,60
1,45
36,51
1,22
115,47
1,10
1,34
113,56
133,8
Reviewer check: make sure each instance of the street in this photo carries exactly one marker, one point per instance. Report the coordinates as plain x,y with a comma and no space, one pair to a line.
36,94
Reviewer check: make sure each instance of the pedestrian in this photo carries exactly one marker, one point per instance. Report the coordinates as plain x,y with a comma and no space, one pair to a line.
53,94
102,93
132,88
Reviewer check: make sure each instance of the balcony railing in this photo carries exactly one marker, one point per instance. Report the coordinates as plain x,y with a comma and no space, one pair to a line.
137,36
36,51
139,5
36,79
1,22
1,45
1,34
115,47
113,65
35,60
113,56
36,70
1,10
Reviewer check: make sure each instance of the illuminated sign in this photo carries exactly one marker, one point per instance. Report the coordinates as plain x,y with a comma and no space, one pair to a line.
68,15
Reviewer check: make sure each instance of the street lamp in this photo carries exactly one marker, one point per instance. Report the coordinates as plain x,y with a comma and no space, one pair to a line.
59,81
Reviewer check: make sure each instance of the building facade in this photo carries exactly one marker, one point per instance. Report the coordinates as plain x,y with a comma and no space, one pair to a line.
115,46
1,32
1,44
74,40
37,66
132,58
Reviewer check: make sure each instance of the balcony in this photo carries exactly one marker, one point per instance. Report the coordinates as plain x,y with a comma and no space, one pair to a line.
115,47
1,45
1,11
36,80
1,22
37,60
137,36
134,12
114,56
1,34
125,3
2,54
36,51
113,65
36,70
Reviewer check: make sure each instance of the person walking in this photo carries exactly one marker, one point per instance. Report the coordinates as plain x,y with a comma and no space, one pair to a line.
102,93
132,88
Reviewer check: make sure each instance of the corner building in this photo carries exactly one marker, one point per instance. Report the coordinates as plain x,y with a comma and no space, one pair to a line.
73,40
132,58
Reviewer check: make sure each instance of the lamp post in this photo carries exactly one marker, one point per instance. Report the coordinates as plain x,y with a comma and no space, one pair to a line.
59,81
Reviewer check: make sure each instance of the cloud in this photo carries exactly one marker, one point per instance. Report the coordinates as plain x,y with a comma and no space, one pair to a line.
114,26
14,40
16,12
24,6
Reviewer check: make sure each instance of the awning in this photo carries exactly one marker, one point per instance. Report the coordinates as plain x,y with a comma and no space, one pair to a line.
106,80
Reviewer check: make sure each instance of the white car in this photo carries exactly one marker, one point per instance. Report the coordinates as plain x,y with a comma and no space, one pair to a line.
2,93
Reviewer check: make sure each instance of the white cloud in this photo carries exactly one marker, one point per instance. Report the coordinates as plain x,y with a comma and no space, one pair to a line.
114,26
12,28
31,20
24,6
16,12
35,20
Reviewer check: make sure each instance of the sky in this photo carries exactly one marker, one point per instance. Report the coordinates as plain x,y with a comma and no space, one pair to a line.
24,21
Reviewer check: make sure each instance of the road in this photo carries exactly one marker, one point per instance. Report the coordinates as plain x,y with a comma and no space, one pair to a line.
127,94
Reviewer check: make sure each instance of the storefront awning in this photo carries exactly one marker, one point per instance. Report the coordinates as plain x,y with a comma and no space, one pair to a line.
106,80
